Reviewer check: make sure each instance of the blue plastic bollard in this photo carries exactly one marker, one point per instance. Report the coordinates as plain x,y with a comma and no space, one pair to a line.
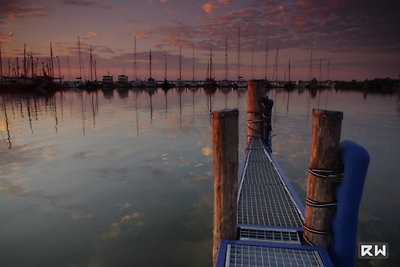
348,195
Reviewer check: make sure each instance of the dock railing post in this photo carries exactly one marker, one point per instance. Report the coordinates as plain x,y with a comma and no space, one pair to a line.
255,93
325,168
225,141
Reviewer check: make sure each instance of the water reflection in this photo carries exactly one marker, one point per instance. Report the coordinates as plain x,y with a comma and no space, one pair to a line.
398,101
7,128
121,177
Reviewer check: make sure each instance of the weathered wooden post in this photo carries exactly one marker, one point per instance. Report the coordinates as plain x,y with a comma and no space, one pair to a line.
225,141
325,169
255,93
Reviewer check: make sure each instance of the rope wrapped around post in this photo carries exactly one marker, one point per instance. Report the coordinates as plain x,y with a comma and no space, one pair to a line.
255,93
325,171
254,127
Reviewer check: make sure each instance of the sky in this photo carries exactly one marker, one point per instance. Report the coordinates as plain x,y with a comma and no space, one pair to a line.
346,40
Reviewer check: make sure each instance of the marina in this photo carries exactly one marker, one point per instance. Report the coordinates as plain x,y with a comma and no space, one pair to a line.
199,133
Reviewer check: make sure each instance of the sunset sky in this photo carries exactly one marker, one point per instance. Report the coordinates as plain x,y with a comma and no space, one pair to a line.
360,39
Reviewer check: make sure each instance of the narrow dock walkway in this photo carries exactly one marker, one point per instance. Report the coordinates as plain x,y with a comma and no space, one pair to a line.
270,218
264,198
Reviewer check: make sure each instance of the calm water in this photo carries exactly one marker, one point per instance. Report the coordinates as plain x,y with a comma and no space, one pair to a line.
126,179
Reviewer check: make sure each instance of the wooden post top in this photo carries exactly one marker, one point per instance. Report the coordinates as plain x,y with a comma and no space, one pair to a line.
224,113
328,114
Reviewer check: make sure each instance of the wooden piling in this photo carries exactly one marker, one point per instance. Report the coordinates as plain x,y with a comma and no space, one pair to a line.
225,141
255,93
324,171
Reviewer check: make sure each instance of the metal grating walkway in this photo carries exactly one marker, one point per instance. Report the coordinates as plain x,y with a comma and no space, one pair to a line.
264,200
249,255
269,235
269,220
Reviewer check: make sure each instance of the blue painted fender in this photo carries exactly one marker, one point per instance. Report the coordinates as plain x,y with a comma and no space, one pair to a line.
355,161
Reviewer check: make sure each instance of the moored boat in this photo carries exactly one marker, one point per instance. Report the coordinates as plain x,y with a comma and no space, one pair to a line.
107,82
240,84
210,85
38,84
122,81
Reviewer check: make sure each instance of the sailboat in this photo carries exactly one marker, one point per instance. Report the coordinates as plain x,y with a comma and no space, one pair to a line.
137,83
91,84
179,83
276,83
19,82
166,85
225,83
150,84
289,85
240,83
210,85
193,84
78,84
313,83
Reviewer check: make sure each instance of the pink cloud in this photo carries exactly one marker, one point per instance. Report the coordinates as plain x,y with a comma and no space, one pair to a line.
209,7
142,34
225,2
91,34
152,2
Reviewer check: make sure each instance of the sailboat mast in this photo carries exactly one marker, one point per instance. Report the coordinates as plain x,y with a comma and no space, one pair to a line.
51,61
180,62
17,62
95,70
59,68
193,63
80,58
266,61
277,56
69,69
320,70
32,69
1,62
91,64
328,78
238,63
165,67
211,67
150,62
289,70
134,60
275,73
25,64
311,59
208,70
226,58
